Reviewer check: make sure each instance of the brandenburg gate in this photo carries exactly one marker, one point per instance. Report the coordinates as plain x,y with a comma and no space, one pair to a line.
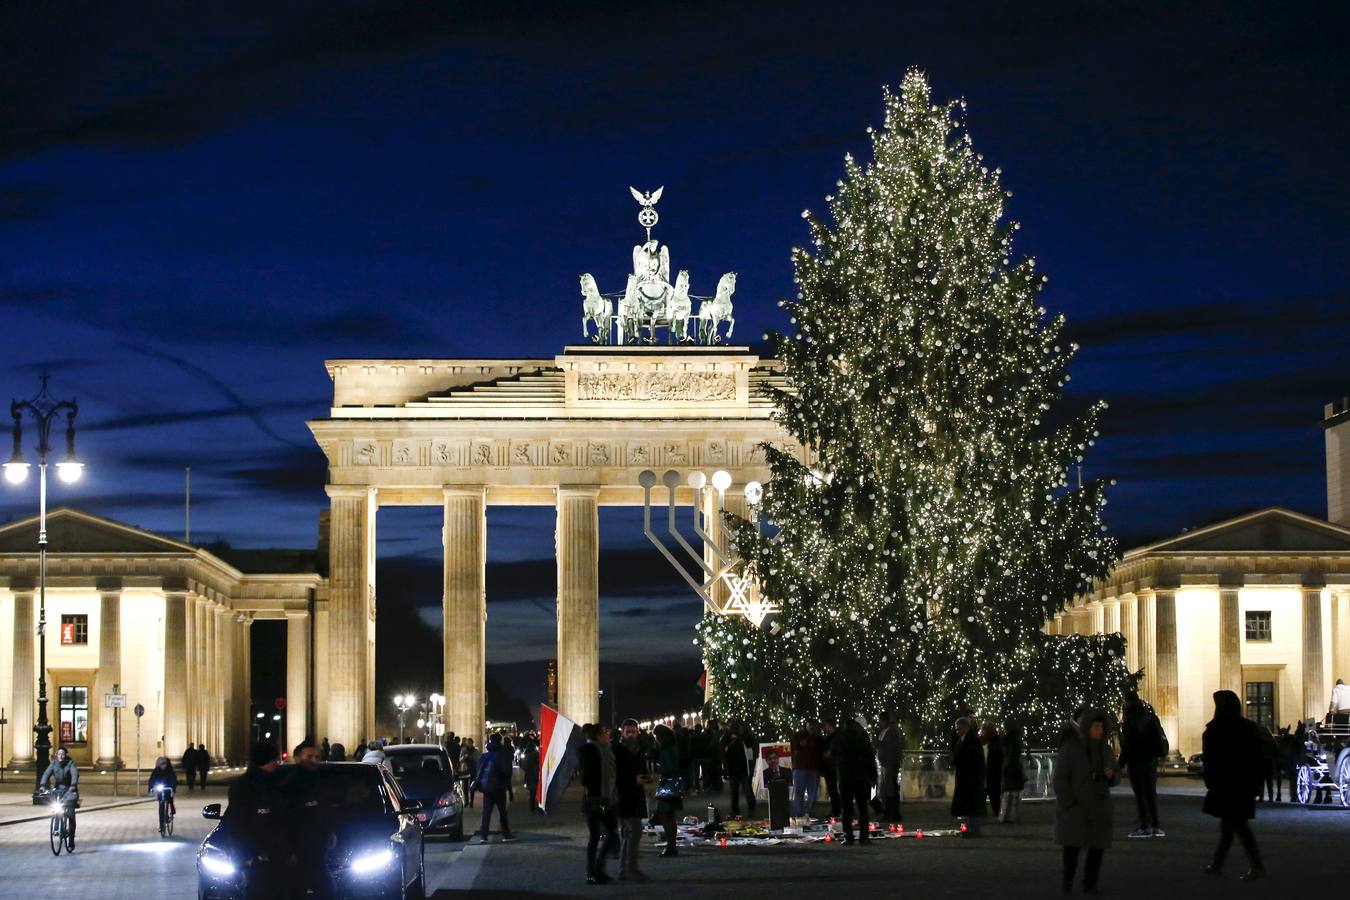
573,432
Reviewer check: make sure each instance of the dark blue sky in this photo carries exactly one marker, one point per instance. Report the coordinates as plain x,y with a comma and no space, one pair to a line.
197,209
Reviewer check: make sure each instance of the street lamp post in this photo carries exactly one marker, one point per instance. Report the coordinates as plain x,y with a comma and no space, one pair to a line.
44,409
403,702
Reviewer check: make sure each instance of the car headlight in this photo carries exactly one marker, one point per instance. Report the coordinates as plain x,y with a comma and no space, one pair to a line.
218,864
372,862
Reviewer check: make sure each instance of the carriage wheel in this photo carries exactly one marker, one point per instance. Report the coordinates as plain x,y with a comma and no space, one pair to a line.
1304,788
1343,776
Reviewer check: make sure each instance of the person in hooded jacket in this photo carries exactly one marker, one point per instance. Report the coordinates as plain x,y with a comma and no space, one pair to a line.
1085,772
856,771
163,774
1232,756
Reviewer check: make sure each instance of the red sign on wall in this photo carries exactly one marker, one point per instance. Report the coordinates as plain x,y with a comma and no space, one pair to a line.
67,632
67,729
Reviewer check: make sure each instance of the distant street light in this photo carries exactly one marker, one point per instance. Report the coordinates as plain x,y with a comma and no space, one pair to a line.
403,702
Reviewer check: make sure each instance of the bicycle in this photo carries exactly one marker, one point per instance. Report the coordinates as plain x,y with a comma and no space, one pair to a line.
62,829
165,810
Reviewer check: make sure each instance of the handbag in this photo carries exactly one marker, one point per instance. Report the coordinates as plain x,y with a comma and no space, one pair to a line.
670,788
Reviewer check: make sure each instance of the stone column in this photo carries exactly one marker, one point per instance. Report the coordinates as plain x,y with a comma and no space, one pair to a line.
351,556
1340,636
464,610
578,551
319,715
109,671
220,680
297,676
1314,682
24,663
1059,624
1147,644
1129,629
230,747
1230,642
177,687
201,688
244,674
190,679
1096,618
1111,616
1168,702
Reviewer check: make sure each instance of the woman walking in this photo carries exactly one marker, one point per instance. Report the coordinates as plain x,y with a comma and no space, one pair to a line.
1232,772
1014,777
1085,772
670,789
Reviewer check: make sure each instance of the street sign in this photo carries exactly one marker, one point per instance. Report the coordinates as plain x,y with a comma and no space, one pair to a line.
280,703
115,701
139,710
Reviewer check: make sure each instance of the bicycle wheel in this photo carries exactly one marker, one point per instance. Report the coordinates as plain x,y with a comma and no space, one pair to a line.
69,829
57,839
163,818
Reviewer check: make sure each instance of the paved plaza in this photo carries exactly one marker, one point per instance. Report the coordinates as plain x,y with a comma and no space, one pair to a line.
119,855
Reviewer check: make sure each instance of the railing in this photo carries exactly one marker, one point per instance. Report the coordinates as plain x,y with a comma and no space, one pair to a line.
927,775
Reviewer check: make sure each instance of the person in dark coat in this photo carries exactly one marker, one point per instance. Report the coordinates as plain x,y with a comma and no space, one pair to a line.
492,777
1142,743
598,770
1232,757
1270,763
190,766
252,815
856,770
1014,777
203,764
1085,772
993,766
969,772
890,752
828,768
739,769
670,789
308,822
631,767
529,771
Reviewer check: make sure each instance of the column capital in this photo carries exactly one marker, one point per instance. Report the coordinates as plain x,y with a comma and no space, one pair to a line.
464,490
578,490
1311,585
296,614
349,491
108,585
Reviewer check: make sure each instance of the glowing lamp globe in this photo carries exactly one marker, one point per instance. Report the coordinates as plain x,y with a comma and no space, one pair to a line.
721,480
69,472
16,472
697,480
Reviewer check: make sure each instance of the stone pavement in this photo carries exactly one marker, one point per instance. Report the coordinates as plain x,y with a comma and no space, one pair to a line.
118,854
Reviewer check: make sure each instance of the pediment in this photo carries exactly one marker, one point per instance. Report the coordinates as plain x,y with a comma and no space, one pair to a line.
72,531
1271,530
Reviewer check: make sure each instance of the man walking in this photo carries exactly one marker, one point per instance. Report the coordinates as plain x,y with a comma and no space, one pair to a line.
1142,743
253,815
190,766
494,775
203,764
305,819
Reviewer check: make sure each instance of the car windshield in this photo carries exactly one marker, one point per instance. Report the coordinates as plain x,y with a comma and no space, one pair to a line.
351,789
415,765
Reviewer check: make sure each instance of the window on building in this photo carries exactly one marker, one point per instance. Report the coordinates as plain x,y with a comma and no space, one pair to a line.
74,715
75,629
1261,703
1258,625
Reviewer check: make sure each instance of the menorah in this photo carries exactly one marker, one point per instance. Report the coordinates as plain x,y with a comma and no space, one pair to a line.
728,585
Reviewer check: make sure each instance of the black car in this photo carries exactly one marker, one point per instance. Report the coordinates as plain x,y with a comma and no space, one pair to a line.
424,773
376,841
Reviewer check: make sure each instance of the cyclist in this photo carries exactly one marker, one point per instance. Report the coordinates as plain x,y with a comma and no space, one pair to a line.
163,775
62,771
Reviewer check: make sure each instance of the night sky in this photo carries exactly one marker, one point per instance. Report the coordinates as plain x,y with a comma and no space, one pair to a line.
196,210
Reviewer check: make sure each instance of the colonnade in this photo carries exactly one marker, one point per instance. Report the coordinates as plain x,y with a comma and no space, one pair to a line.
351,608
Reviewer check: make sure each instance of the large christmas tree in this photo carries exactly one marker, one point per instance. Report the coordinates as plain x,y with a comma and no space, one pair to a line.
918,555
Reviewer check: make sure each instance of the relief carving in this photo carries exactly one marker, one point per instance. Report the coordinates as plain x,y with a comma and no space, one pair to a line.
717,451
440,453
597,454
689,386
520,454
639,455
482,454
560,454
404,453
365,453
675,453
